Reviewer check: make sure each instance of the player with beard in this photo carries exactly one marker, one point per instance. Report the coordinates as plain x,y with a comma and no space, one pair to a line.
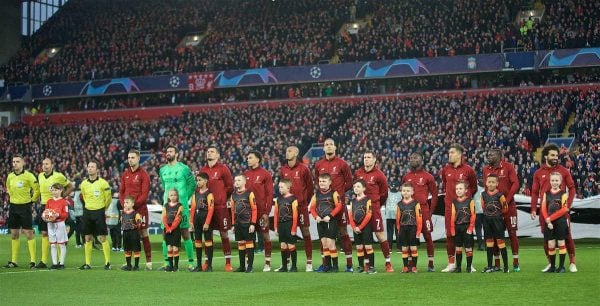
260,182
220,184
377,192
424,185
135,182
341,181
303,189
508,184
177,175
541,184
456,170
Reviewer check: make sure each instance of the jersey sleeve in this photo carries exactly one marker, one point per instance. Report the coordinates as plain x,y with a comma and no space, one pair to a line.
252,201
337,202
210,201
367,217
276,215
177,220
193,208
433,190
190,182
232,207
514,185
142,198
268,193
106,191
351,216
164,219
453,220
35,186
504,205
419,218
309,184
398,216
294,216
535,192
313,206
473,216
564,209
544,208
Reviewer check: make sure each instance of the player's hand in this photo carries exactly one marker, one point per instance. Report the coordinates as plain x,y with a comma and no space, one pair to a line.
318,219
276,233
326,219
293,233
356,230
251,229
548,220
205,227
470,232
264,221
191,228
533,215
550,226
453,234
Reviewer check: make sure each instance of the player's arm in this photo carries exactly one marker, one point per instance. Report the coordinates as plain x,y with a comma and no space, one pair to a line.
165,221
419,218
398,216
504,205
142,198
190,182
313,206
472,177
227,181
337,202
309,184
351,217
210,200
535,192
564,209
35,186
138,221
294,217
269,193
177,220
383,189
570,188
232,207
253,207
544,208
367,217
106,191
193,208
453,220
63,212
433,190
514,185
347,177
276,216
473,217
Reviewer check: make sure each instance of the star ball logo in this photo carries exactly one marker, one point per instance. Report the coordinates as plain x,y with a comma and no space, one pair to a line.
315,72
47,90
174,81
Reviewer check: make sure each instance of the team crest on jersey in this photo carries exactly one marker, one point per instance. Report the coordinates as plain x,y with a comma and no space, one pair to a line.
460,176
420,181
216,174
20,184
96,193
296,173
501,172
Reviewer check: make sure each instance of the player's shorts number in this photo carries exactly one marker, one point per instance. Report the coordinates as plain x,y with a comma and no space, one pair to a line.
302,218
343,217
143,220
513,220
225,223
378,225
428,225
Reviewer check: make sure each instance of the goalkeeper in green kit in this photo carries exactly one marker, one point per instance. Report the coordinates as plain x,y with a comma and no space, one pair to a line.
177,175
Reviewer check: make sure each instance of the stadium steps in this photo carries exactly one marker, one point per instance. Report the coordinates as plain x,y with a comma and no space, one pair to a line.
570,121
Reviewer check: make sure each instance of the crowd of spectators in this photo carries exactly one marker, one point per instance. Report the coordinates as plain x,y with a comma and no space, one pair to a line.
119,38
394,127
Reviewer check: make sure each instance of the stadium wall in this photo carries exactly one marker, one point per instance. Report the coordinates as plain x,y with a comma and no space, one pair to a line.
10,29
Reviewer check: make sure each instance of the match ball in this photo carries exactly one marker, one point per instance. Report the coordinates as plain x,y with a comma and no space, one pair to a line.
49,215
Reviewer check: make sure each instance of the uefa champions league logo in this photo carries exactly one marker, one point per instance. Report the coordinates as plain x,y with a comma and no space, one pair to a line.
315,72
47,90
174,81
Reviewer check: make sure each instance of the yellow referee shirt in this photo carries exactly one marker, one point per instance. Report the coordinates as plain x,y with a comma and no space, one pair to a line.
47,181
96,194
22,188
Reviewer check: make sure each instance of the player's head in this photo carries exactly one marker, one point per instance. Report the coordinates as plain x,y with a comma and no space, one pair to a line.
284,186
494,155
291,153
455,153
171,153
212,153
359,187
461,189
239,182
369,159
133,158
329,147
173,195
407,191
324,181
18,162
254,159
415,160
92,167
555,180
47,165
550,154
56,189
491,182
202,179
129,202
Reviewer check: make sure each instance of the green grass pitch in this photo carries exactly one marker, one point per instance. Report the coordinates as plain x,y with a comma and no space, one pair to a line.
22,286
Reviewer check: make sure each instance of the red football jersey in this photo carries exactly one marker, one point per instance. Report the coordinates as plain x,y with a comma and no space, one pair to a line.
541,184
61,206
452,175
135,183
423,184
508,182
377,186
260,182
302,181
341,175
220,183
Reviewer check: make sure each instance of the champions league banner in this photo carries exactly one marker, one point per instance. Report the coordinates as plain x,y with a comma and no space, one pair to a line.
322,73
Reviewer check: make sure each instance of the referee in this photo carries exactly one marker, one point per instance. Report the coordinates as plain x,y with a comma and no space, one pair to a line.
23,189
96,197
